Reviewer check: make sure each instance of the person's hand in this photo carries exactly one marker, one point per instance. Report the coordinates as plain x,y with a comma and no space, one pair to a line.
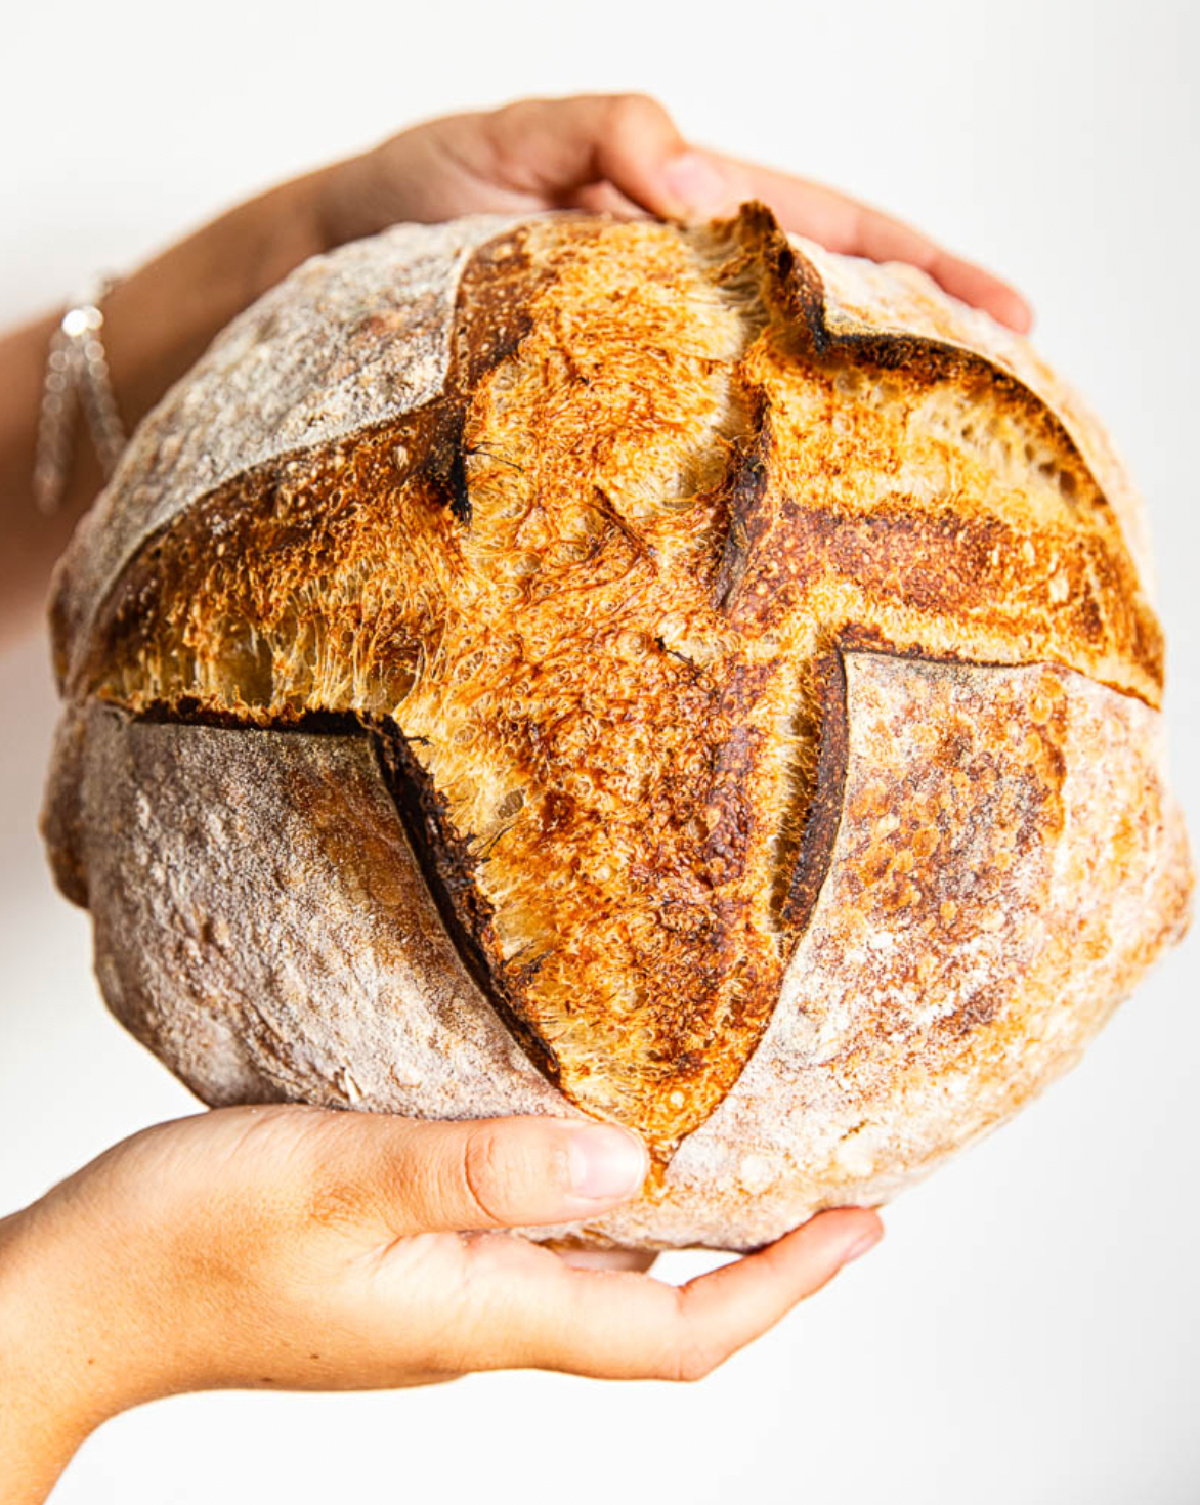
621,153
296,1248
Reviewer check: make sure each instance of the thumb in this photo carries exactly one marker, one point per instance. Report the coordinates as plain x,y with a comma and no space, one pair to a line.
418,1177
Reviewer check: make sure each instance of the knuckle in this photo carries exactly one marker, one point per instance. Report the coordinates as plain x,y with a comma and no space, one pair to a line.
508,135
695,1359
333,1203
631,112
311,1183
692,1353
506,1171
487,1175
518,112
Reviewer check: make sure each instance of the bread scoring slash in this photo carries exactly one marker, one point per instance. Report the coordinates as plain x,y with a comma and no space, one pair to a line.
669,674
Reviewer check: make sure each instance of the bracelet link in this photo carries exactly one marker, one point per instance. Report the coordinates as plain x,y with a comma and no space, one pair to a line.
77,376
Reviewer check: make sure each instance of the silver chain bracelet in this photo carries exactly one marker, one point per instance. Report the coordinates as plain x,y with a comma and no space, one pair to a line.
76,376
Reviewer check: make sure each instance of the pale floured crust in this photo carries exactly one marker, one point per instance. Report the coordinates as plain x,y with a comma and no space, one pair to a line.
262,926
671,675
1003,837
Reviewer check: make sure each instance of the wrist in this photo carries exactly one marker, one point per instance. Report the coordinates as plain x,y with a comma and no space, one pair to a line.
160,319
45,1413
344,198
70,1355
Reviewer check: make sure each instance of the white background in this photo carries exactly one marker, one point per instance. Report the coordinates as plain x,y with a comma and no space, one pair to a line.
1030,1331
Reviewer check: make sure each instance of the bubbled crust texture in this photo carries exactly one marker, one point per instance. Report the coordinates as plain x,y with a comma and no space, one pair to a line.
236,878
676,676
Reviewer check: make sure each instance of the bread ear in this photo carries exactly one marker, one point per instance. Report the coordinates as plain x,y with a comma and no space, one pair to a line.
862,300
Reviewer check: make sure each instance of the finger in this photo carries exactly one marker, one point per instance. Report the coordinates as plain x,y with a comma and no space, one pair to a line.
553,148
623,152
840,223
410,1177
625,1326
603,198
530,156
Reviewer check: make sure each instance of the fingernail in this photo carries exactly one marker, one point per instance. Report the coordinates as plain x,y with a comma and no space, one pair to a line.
697,185
605,1162
1022,315
861,1245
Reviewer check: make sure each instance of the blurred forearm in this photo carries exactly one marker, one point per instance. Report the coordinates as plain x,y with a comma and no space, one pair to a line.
156,323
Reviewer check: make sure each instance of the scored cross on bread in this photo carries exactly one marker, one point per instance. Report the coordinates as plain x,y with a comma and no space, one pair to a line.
711,577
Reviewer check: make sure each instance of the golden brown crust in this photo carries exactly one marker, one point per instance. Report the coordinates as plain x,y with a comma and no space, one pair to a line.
591,601
347,341
1007,863
863,299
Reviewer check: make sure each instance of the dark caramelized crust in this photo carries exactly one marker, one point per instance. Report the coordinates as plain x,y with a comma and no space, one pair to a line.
590,601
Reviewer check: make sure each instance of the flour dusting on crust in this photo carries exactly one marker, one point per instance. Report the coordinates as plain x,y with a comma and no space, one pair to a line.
261,922
347,340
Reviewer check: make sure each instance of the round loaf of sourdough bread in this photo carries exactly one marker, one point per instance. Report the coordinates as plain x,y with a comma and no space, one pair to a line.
674,675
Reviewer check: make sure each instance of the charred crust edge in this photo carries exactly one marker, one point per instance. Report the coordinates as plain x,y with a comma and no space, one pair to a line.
742,490
189,710
491,318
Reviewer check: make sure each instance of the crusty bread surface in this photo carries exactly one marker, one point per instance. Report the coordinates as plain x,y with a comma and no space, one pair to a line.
669,674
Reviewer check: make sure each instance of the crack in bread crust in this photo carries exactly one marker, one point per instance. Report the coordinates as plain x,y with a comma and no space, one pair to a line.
592,599
450,869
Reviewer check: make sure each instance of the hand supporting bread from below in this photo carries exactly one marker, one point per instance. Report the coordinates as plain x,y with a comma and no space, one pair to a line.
297,1248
